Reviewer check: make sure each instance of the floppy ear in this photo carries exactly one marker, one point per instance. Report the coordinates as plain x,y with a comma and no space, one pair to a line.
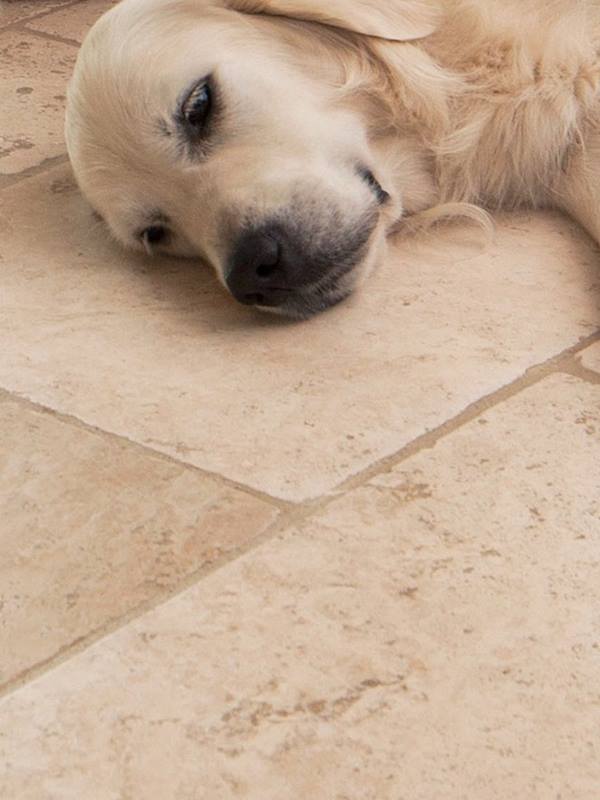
395,20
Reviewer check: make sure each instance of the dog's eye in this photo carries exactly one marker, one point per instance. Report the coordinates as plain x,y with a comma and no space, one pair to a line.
378,190
155,234
197,106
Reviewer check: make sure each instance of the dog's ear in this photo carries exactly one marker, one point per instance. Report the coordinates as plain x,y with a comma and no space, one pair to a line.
395,20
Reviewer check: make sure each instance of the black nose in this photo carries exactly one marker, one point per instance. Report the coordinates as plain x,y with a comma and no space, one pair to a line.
259,272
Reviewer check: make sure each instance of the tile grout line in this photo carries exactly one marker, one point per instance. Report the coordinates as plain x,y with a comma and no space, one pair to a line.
33,16
285,521
563,362
426,441
51,37
577,370
291,515
7,395
9,180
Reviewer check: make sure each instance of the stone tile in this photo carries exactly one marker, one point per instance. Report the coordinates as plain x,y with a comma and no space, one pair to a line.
19,10
432,635
590,358
92,527
73,23
34,73
157,352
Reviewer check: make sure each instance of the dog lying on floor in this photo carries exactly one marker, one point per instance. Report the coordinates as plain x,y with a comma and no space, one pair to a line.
283,141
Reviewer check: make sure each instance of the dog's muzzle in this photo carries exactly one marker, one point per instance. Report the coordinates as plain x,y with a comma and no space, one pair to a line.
281,268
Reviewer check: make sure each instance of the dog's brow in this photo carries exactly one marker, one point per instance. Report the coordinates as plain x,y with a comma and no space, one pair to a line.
154,217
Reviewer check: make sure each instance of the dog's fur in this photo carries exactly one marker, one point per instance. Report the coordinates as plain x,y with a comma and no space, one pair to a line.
455,106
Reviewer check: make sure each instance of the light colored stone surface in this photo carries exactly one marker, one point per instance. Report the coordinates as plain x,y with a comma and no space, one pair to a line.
92,527
156,351
19,10
432,636
590,358
73,23
34,74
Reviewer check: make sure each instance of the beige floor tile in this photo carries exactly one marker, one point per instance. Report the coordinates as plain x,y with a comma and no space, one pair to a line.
73,23
590,358
18,10
157,352
92,527
432,636
33,77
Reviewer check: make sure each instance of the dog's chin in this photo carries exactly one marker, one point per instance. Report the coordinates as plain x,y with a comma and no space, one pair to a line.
302,306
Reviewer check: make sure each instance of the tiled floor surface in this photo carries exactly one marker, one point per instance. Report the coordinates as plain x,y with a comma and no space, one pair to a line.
355,559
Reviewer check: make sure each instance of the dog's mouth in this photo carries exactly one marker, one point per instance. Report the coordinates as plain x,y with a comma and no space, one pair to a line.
306,303
304,307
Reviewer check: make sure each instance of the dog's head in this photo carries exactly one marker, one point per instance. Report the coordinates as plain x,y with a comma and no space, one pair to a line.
219,129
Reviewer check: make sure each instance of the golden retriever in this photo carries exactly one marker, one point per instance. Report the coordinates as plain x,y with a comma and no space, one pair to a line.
283,141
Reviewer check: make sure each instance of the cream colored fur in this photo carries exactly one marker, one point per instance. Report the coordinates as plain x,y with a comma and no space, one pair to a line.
458,106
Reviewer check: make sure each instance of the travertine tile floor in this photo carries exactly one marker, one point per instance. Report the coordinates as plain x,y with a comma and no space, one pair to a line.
355,559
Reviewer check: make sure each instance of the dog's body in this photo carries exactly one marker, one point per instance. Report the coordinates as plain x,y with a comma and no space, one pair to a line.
328,123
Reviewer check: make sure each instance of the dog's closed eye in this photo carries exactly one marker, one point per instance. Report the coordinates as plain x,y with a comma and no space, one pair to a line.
154,235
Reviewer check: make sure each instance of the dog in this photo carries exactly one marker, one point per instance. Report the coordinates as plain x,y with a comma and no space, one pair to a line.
284,141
